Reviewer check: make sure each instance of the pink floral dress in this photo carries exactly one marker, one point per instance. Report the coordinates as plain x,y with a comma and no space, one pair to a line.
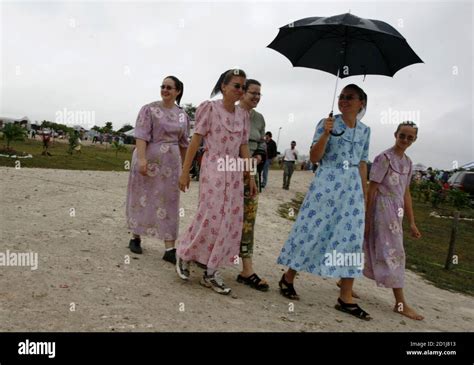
213,237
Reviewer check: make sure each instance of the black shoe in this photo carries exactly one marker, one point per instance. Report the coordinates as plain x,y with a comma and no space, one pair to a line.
134,245
170,256
201,266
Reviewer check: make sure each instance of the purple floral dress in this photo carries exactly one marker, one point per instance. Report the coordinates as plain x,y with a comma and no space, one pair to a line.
153,200
384,255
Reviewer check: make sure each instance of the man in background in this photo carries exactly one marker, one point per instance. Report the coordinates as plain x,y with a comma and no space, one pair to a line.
271,154
290,156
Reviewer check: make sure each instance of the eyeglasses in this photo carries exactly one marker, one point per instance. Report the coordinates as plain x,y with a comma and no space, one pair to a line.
403,136
346,97
254,94
238,86
167,87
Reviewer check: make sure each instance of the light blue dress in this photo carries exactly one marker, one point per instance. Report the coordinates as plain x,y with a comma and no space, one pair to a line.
331,218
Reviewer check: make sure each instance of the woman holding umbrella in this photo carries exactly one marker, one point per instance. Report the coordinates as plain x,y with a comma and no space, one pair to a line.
327,237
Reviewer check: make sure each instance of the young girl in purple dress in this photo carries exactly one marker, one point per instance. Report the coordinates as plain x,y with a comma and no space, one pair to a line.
389,200
161,134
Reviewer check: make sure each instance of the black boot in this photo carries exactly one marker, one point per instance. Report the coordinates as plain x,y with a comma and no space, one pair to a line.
170,256
134,245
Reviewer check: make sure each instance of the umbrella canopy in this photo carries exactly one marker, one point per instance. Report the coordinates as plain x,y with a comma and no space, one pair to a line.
345,45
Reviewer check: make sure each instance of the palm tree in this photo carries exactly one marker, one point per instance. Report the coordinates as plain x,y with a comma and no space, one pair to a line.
13,132
118,148
73,141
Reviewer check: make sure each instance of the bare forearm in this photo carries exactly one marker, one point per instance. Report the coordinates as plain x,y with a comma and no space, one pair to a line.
409,207
371,195
244,151
182,152
141,148
245,154
317,151
191,152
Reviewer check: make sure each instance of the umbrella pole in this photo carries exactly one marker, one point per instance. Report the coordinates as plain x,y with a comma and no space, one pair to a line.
332,109
334,96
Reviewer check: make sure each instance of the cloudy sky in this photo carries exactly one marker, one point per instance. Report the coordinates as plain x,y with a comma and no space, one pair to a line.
109,58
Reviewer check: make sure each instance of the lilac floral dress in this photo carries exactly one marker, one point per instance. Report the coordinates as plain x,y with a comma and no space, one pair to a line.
213,237
384,255
153,200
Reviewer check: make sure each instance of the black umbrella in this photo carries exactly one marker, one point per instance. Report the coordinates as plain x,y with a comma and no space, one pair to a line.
345,45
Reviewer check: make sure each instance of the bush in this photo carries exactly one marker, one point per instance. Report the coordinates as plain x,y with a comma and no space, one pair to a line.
13,132
458,198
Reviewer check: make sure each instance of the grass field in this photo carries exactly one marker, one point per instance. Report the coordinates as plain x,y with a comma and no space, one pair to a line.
94,157
427,256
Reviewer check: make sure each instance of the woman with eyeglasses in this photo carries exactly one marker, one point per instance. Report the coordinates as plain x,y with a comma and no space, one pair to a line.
257,149
389,200
213,237
327,236
161,134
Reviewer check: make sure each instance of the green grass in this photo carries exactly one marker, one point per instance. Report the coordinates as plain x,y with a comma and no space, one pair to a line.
91,158
427,255
290,210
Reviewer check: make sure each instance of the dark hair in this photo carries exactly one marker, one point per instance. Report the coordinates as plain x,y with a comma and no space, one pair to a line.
225,79
362,95
293,142
251,82
179,87
409,124
269,134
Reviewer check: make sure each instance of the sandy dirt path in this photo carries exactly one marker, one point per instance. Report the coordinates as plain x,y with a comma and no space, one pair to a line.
82,267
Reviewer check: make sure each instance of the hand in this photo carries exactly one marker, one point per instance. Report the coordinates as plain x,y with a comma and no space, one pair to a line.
414,231
258,158
328,125
252,187
142,166
184,181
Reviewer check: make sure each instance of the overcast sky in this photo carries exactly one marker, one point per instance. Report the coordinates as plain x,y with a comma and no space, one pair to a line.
109,59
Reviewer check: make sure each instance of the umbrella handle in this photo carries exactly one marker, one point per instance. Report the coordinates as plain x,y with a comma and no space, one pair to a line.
332,132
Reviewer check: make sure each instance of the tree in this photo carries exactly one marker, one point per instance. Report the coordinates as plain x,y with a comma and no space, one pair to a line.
118,148
190,110
13,132
125,128
73,142
56,126
108,128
